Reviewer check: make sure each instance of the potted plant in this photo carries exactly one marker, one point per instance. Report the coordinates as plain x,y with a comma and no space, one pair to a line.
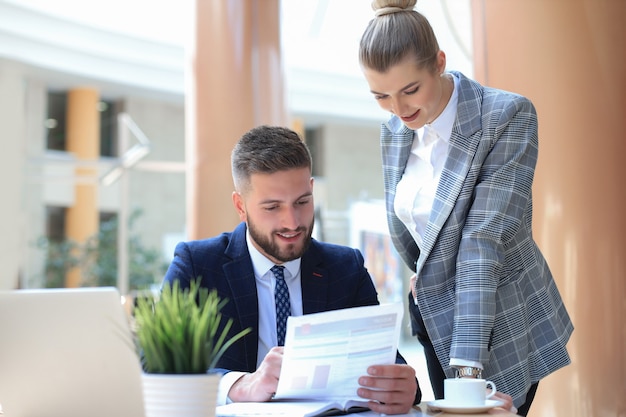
179,341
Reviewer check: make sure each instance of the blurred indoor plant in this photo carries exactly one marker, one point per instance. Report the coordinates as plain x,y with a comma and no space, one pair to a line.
97,258
179,337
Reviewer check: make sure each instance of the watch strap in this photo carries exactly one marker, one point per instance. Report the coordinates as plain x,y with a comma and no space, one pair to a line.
468,371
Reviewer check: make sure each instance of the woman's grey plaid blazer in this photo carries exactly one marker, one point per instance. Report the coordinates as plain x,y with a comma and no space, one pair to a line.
483,288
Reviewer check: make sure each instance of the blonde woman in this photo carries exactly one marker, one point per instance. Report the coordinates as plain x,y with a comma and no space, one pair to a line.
458,166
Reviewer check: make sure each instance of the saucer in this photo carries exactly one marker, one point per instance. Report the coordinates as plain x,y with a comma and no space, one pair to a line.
443,405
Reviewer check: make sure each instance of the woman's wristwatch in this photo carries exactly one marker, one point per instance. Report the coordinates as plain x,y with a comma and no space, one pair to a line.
468,371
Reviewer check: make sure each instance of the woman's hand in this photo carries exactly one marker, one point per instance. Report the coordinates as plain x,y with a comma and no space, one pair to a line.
413,278
507,399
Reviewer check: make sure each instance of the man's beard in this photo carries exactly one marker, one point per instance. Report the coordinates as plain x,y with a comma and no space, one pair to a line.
271,247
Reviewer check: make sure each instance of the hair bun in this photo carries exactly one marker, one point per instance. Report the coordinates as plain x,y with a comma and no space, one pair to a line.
383,7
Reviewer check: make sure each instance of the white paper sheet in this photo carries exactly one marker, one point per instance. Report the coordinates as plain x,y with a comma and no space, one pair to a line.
326,353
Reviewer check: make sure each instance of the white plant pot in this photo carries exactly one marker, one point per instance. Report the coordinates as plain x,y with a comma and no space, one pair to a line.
180,395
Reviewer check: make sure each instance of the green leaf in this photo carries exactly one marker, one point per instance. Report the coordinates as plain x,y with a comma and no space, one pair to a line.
178,331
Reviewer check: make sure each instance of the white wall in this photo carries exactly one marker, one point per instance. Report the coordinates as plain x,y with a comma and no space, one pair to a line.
12,160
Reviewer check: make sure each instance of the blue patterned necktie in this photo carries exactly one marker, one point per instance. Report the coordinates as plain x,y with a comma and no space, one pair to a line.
283,305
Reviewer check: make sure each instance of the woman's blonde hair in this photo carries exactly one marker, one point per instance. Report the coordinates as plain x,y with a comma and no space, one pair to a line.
397,32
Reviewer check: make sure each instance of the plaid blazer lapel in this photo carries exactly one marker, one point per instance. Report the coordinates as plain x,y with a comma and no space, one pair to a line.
314,278
463,144
396,141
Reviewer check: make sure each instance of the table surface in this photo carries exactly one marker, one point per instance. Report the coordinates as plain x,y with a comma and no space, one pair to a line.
423,410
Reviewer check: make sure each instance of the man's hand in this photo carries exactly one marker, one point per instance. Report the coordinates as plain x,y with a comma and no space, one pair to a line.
261,385
390,388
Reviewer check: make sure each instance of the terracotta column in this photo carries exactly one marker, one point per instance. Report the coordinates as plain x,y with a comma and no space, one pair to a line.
83,140
234,83
569,58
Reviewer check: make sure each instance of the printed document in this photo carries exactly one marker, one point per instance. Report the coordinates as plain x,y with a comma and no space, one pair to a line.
288,408
298,408
325,353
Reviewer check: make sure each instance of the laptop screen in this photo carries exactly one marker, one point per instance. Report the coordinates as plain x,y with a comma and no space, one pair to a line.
67,352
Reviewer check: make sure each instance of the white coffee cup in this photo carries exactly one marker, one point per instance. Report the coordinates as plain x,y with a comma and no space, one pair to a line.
467,391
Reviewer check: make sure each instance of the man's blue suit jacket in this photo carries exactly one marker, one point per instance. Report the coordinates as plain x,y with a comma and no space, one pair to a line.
333,277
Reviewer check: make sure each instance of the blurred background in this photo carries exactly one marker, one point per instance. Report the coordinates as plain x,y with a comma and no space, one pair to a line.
101,124
118,119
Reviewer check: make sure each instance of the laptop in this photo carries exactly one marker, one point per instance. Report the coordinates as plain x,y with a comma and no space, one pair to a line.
67,353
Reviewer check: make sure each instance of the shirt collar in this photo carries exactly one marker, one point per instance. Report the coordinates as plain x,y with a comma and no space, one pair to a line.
444,122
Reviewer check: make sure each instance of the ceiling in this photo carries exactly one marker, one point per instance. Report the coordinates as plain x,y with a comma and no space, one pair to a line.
139,44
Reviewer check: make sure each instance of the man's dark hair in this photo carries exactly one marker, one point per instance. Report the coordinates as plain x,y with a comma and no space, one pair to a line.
267,149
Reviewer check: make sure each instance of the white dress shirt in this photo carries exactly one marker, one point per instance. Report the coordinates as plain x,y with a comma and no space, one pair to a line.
265,283
415,192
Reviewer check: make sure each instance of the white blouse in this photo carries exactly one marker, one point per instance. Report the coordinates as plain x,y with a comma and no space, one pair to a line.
415,192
